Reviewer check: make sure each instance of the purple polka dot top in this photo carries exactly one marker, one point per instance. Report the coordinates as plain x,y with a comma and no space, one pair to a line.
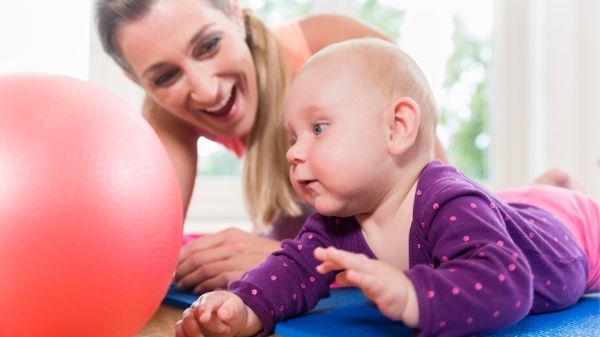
477,263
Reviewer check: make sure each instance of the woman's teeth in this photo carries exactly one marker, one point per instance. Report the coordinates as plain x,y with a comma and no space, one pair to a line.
217,109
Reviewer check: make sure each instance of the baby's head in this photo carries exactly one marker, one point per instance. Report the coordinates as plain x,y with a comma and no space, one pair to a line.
359,113
370,67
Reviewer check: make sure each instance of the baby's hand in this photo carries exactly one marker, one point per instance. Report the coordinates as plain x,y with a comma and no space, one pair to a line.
384,284
218,313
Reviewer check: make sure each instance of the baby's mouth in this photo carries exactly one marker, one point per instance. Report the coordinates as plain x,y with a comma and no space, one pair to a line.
306,182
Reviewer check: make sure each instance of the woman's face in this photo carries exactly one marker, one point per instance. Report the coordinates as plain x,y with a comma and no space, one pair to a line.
192,59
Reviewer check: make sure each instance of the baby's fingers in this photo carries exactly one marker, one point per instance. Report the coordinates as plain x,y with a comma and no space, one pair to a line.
366,282
188,326
230,306
211,322
327,266
220,313
342,280
203,307
340,259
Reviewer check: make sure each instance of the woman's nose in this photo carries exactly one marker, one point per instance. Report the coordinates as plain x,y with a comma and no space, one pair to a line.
203,89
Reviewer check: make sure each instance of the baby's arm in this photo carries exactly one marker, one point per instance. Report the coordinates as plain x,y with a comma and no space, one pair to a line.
218,313
386,285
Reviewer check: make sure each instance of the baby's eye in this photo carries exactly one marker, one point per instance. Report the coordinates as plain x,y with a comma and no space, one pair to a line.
318,128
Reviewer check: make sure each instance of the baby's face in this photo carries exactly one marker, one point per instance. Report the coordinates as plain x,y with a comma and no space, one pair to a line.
338,131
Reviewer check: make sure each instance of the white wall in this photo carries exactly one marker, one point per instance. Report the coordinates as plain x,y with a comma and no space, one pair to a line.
106,73
546,94
44,36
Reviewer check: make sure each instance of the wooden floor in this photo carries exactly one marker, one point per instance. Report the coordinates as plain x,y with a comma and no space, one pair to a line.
162,323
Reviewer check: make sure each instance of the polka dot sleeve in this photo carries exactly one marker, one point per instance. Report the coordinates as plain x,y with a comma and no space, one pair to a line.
478,280
480,264
287,284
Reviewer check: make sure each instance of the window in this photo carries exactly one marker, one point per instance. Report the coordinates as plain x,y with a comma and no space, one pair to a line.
451,43
278,11
517,85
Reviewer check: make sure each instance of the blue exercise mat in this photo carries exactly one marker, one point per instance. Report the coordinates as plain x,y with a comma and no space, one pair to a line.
347,312
179,299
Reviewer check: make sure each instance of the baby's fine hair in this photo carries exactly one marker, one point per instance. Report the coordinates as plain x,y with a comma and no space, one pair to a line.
386,67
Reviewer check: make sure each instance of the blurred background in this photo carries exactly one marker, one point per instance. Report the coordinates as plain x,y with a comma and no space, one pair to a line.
517,81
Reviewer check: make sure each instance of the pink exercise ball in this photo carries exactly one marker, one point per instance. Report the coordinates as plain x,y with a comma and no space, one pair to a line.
90,211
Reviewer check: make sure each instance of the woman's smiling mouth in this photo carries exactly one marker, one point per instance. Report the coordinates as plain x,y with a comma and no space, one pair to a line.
225,105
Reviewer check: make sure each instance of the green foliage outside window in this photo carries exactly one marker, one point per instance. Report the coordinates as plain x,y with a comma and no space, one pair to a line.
386,18
469,145
276,11
467,125
220,163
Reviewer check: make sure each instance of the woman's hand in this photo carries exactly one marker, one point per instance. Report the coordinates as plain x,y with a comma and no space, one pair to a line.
211,261
218,313
382,283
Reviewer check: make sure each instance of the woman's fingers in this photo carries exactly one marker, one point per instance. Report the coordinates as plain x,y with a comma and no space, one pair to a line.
235,241
218,282
216,259
217,274
202,243
198,259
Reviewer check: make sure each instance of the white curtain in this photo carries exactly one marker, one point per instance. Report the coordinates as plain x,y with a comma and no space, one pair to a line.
546,91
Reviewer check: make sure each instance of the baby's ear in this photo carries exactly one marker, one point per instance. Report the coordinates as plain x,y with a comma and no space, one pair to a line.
404,125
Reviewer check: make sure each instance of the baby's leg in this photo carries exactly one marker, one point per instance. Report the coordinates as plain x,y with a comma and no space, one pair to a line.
560,178
579,213
553,177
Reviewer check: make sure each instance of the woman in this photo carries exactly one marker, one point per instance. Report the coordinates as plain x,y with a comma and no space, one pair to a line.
210,69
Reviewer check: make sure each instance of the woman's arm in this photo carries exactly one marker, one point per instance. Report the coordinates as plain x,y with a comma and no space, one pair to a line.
180,143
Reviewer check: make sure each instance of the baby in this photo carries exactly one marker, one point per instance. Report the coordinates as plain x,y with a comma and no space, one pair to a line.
417,236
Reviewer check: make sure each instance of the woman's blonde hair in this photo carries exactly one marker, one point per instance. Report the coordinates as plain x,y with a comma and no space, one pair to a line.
267,187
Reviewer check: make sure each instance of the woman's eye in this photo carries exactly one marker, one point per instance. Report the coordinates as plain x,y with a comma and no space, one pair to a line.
165,78
318,128
207,47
